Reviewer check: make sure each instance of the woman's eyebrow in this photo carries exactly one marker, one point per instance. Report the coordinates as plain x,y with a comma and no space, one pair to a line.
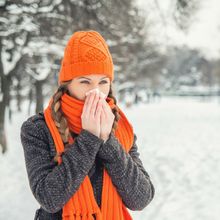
89,78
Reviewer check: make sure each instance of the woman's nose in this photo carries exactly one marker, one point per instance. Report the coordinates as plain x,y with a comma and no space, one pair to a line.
92,90
98,91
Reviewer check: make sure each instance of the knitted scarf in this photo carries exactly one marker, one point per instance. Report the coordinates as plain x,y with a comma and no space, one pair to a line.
82,205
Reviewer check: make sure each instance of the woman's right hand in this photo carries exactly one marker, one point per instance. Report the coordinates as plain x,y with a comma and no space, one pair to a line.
91,113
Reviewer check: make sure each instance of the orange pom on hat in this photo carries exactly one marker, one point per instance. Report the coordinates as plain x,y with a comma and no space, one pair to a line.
86,53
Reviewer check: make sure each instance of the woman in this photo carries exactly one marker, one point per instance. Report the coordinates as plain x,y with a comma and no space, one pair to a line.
80,152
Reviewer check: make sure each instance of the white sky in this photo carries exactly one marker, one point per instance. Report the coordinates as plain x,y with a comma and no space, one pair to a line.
203,34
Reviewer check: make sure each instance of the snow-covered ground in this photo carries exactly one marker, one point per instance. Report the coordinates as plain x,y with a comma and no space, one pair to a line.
179,145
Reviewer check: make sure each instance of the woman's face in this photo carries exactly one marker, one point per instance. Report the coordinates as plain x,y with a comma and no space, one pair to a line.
82,84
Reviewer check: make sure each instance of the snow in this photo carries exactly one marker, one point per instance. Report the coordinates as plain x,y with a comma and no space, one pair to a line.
203,33
3,20
10,65
1,97
126,85
178,140
41,74
40,47
50,8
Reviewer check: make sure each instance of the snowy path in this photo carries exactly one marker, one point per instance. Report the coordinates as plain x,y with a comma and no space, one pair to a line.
179,144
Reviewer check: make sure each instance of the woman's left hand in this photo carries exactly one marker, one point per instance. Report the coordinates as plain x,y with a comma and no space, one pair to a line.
107,119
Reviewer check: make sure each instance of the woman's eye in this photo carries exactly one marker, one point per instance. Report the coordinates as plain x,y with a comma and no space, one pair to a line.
104,81
84,81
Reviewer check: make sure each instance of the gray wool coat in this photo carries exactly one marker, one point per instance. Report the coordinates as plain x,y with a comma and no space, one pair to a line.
53,185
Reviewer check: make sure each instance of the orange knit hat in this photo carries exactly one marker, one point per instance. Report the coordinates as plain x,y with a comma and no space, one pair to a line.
86,53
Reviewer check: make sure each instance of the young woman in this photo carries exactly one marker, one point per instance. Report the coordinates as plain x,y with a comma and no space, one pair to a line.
80,152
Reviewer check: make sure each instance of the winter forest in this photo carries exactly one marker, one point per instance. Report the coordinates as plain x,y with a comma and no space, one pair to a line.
166,57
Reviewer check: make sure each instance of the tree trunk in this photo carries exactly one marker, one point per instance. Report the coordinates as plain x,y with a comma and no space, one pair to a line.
18,95
4,99
39,96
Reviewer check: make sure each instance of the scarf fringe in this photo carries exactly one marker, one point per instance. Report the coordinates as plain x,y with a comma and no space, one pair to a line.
86,216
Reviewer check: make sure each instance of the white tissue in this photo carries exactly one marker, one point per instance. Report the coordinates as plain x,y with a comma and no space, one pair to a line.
97,91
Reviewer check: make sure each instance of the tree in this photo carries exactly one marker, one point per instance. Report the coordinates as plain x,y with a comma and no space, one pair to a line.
33,36
14,36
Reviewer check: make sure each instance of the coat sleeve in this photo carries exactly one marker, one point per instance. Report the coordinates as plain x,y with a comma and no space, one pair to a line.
51,184
127,173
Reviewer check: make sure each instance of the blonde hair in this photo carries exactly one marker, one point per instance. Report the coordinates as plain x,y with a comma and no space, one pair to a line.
60,120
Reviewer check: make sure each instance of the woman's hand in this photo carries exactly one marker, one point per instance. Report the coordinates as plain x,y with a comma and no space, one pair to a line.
107,119
91,114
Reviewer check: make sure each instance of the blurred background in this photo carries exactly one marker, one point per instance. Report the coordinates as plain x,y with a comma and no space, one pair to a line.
166,58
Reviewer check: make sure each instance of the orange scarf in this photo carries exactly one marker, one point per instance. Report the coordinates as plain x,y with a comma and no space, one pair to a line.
83,203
